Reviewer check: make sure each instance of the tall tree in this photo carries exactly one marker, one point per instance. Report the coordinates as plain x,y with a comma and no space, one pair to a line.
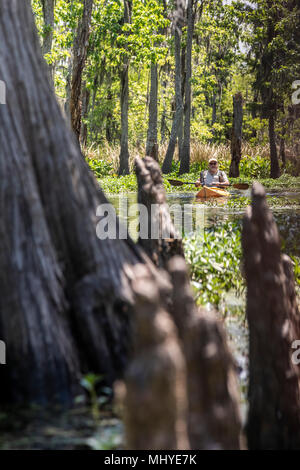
185,152
80,48
236,136
167,164
48,14
275,60
124,75
152,145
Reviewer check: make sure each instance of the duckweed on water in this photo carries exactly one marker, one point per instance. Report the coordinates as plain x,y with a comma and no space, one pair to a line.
214,261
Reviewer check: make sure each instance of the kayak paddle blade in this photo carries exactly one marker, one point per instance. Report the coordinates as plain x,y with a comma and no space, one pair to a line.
240,186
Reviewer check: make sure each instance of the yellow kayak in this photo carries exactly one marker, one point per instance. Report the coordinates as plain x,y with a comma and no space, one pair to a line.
207,192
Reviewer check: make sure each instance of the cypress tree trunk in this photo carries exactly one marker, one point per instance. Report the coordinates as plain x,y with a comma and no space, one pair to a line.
275,170
124,152
86,94
66,300
109,116
79,57
183,78
283,135
48,14
185,153
163,87
167,165
282,152
152,146
236,136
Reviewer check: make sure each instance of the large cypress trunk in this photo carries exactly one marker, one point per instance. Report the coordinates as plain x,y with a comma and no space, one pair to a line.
65,304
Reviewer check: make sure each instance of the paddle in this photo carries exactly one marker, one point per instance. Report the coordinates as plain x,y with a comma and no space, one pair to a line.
233,185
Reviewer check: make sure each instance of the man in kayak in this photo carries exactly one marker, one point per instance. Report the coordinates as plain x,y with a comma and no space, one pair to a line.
213,177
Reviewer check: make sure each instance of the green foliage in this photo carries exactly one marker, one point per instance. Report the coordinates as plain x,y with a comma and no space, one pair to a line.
214,261
100,167
285,181
251,170
232,52
118,184
90,382
296,263
258,167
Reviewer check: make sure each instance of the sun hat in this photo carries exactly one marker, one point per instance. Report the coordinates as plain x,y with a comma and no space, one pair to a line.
213,159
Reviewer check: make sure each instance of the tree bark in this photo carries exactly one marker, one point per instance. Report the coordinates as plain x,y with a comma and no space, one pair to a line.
282,152
152,145
66,300
80,48
155,400
67,107
124,152
236,136
164,242
109,130
85,108
275,170
183,78
48,14
167,165
213,400
274,324
185,153
163,124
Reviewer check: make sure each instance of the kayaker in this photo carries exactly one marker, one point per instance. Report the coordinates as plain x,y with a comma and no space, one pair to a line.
213,176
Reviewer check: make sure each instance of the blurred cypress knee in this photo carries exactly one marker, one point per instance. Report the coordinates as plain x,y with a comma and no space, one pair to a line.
274,324
161,241
155,400
213,410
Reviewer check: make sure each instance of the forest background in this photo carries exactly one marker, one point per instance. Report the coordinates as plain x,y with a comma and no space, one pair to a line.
138,79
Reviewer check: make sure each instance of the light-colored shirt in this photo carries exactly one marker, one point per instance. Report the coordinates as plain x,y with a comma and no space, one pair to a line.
208,179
